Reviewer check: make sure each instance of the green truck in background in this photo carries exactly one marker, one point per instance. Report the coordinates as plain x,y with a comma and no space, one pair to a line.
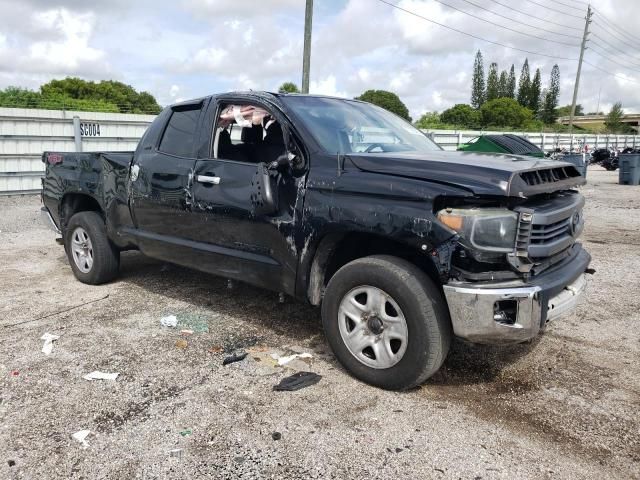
502,144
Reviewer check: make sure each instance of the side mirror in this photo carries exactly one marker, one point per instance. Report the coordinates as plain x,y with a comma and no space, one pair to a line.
280,164
264,195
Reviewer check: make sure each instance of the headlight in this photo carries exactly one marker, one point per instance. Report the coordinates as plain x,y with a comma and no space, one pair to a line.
487,229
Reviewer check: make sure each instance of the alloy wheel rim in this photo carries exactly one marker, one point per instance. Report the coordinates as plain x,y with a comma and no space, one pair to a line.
82,250
373,327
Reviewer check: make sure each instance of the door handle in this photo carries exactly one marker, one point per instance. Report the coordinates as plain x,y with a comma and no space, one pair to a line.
207,179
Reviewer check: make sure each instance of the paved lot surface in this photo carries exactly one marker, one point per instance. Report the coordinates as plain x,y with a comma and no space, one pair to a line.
565,406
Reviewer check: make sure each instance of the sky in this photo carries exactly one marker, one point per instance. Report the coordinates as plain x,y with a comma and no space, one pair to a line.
180,49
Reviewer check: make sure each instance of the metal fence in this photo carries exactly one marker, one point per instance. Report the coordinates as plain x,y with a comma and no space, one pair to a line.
26,133
452,139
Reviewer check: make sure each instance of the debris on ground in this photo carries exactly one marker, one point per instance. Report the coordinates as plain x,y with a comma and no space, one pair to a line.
234,358
297,381
96,375
285,360
182,343
215,349
195,323
258,349
186,332
186,432
15,373
81,437
176,452
170,321
48,338
11,463
234,344
276,435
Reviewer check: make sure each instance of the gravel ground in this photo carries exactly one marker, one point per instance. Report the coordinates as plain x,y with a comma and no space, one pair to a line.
564,406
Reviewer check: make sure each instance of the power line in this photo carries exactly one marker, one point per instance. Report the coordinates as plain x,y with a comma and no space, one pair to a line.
472,35
555,10
568,6
617,36
518,21
612,74
622,30
619,50
537,18
621,40
612,60
502,44
505,27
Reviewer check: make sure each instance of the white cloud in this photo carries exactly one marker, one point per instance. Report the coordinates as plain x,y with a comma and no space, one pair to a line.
326,86
401,81
68,51
215,9
207,46
74,49
207,59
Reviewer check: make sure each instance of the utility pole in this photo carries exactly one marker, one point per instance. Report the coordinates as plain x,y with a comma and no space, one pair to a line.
306,55
582,49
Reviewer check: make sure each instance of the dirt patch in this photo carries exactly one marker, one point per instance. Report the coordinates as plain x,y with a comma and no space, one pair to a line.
563,406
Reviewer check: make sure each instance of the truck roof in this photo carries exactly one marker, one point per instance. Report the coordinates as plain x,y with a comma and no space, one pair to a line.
263,94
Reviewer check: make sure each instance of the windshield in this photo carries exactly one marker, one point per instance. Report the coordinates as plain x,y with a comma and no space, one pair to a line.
345,126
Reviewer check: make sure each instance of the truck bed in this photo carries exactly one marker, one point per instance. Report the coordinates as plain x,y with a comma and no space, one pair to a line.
101,175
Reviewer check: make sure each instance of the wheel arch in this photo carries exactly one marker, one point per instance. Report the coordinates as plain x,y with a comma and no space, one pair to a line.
337,249
74,202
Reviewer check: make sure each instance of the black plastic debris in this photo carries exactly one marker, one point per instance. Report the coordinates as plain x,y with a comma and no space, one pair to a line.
234,358
297,381
276,435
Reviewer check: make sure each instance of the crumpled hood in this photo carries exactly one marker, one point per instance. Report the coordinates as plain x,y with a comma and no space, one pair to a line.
481,173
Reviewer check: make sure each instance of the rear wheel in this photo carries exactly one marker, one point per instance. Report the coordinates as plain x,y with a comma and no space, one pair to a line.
386,321
92,256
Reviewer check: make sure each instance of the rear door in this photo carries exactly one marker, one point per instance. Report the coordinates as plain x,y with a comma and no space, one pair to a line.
160,186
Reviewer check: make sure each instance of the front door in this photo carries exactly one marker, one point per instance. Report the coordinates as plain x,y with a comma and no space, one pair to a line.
249,244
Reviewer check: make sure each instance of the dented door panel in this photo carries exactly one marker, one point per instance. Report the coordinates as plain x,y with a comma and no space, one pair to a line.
259,248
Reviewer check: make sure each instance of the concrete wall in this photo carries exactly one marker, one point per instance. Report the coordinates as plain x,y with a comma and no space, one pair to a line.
452,139
26,133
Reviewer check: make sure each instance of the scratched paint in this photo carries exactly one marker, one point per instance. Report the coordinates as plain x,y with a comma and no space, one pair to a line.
390,196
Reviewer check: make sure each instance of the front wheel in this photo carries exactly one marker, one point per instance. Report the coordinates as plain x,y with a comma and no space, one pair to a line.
93,258
386,321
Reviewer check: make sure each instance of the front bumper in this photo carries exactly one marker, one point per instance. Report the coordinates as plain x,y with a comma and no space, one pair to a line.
472,307
47,219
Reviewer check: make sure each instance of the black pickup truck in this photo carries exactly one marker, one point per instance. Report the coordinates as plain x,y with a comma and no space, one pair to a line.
340,204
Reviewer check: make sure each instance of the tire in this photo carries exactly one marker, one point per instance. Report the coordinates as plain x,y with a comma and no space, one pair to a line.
406,292
105,258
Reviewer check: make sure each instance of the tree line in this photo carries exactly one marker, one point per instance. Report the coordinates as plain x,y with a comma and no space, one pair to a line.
77,94
498,100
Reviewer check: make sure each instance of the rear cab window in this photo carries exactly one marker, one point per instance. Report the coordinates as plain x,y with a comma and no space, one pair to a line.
180,134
